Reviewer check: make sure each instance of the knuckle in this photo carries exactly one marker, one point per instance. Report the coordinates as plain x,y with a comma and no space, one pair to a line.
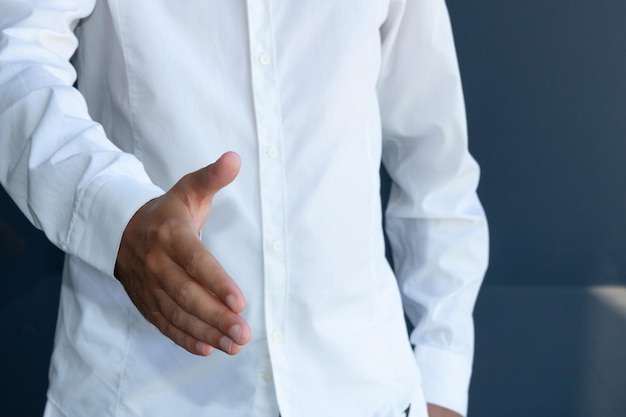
207,334
177,317
184,293
193,262
212,336
151,261
218,282
163,325
160,306
169,330
175,335
221,319
163,232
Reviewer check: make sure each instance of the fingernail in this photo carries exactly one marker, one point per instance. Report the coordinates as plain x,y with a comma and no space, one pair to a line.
226,344
203,348
231,302
235,332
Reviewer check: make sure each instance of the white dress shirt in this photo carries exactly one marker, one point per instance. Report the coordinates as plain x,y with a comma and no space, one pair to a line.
312,94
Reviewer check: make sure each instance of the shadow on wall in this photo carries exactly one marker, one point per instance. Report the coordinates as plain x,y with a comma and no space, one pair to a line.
603,382
550,351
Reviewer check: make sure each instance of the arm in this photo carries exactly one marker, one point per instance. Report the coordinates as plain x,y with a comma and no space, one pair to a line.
96,202
56,163
435,223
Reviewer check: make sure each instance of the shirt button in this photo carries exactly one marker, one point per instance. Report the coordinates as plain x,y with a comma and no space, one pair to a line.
264,59
267,376
277,336
277,246
272,152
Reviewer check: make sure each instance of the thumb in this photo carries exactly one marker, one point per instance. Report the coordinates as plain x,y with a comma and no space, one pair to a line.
198,188
210,179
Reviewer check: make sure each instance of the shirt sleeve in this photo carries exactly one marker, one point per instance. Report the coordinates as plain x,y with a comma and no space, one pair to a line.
56,163
434,220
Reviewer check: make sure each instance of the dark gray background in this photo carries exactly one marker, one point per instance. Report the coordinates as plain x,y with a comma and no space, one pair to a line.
545,92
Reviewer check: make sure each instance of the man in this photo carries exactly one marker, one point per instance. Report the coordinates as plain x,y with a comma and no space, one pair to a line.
256,285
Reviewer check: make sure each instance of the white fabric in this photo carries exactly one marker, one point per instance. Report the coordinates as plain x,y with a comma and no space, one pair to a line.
312,94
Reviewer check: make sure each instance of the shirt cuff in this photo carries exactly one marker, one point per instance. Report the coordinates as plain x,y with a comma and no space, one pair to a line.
445,377
102,215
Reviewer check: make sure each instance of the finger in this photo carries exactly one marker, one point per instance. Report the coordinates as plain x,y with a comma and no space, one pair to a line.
195,301
189,314
219,174
200,301
182,339
206,332
190,254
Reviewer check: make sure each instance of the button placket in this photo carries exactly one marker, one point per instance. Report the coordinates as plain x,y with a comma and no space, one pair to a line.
266,96
272,152
264,59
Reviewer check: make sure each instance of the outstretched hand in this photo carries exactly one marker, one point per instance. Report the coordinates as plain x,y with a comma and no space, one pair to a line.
170,275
